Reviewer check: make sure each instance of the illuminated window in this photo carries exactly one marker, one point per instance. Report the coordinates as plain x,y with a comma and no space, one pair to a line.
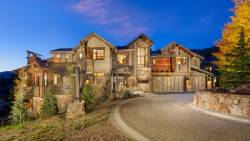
45,79
58,55
98,54
25,80
122,59
142,57
81,56
181,60
98,75
55,79
66,56
154,61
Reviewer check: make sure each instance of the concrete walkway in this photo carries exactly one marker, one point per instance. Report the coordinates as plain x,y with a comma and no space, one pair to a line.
171,118
122,126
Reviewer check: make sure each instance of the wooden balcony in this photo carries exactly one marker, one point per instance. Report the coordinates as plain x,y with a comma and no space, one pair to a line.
144,73
122,69
165,64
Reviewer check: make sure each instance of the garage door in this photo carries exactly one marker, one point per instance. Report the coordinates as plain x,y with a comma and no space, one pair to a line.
198,83
168,84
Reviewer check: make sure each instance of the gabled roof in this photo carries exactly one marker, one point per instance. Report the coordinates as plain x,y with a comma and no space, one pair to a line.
62,49
174,44
60,68
93,34
201,71
42,65
141,36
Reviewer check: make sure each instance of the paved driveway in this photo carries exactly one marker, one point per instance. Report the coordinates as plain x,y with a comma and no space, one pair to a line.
170,118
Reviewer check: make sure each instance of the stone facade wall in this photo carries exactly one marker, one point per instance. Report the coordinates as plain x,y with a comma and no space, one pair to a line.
62,102
236,105
68,85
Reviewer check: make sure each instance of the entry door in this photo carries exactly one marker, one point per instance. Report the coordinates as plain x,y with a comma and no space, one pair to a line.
119,81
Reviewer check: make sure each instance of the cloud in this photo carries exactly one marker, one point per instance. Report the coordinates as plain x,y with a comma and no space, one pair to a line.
108,13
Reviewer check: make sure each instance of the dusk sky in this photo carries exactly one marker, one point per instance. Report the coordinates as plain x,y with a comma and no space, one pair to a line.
44,25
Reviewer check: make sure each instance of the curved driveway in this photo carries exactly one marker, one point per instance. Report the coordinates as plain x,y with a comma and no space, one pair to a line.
170,118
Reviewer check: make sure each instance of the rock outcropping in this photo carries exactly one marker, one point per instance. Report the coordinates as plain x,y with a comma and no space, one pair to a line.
75,110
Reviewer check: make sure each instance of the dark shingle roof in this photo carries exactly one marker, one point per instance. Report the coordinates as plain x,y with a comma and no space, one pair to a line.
62,49
59,67
121,47
156,52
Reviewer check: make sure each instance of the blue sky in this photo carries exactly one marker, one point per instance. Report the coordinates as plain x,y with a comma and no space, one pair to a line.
43,25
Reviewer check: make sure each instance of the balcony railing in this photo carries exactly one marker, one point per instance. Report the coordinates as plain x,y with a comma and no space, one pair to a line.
144,73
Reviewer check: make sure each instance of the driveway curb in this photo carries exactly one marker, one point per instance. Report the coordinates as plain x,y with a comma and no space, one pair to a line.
220,115
117,121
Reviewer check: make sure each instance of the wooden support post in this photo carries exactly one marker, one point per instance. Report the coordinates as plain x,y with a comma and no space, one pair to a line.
77,84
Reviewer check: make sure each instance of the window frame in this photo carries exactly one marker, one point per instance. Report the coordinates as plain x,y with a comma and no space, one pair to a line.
126,58
95,76
142,59
95,53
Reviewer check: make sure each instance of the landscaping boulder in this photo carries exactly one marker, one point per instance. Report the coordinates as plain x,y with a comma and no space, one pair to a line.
75,110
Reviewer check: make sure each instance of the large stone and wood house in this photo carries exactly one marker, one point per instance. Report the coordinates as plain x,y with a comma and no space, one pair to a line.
96,61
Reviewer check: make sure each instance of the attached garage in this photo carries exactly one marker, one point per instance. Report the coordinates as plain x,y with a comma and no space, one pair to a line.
198,83
168,83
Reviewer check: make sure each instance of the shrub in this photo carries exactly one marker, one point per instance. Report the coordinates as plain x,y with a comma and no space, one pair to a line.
18,112
87,94
107,92
49,106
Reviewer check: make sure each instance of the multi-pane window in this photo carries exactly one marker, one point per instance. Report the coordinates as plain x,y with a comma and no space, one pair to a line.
154,61
122,59
98,54
181,60
98,75
81,56
142,57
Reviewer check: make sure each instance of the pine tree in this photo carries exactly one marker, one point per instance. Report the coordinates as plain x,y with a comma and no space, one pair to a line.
49,106
87,95
230,39
240,61
18,112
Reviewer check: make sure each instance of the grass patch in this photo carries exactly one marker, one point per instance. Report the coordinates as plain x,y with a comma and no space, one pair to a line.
56,128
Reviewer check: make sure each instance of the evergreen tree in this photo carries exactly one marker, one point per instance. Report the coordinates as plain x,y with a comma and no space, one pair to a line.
231,39
49,106
18,112
87,94
240,61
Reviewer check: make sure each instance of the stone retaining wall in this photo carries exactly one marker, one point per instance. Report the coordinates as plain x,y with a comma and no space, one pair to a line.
236,105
